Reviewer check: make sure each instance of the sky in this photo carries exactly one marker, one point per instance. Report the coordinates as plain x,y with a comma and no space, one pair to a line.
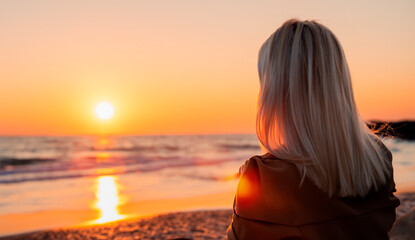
182,67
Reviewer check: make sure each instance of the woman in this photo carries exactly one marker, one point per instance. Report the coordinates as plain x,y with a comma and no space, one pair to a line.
325,174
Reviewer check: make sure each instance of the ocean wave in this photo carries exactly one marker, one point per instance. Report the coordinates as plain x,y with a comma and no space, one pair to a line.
4,162
239,146
123,149
63,171
136,148
84,163
218,178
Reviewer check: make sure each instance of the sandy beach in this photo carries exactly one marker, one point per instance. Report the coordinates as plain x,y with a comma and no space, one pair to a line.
210,224
180,225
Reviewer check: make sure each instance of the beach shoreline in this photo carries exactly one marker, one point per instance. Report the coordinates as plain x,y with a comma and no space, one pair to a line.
190,224
18,224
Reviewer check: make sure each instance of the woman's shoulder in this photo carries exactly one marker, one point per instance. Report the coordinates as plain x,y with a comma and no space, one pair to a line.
268,190
268,174
267,163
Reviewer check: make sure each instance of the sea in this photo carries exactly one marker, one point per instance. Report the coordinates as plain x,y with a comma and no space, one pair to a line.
63,173
48,173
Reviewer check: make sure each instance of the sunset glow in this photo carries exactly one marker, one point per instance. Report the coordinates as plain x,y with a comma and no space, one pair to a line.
104,110
176,68
107,199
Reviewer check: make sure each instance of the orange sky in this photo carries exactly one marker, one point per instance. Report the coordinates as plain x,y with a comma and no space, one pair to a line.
179,67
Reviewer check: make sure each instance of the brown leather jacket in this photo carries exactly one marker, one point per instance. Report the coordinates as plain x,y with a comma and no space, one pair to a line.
270,204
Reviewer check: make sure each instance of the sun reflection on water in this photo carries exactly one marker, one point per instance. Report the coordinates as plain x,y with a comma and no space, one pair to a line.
107,199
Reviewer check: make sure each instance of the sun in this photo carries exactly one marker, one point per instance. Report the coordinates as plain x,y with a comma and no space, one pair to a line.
104,110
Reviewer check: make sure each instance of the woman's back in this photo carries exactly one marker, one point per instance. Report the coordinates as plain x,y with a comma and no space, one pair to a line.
326,175
271,204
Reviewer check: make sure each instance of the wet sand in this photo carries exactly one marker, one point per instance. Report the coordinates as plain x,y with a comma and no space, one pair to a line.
30,222
180,225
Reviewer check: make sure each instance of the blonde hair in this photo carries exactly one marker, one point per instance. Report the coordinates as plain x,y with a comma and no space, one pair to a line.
307,113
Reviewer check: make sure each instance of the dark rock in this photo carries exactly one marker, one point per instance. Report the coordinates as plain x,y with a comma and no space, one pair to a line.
403,130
